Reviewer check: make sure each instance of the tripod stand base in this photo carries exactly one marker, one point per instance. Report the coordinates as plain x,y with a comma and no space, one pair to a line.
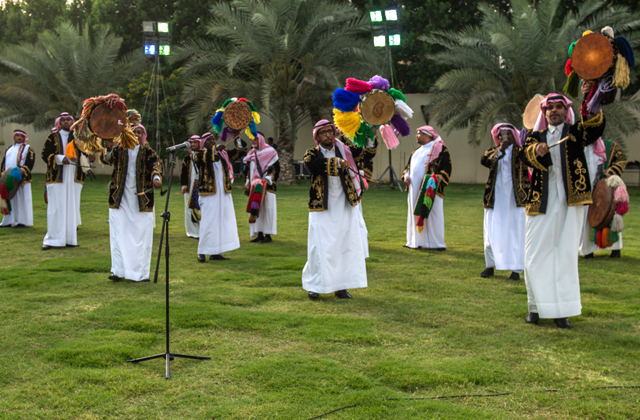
168,357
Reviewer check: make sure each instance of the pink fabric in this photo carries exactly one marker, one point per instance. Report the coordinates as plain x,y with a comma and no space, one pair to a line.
265,155
225,156
541,122
144,136
203,139
495,132
344,150
600,150
427,129
26,138
438,144
56,124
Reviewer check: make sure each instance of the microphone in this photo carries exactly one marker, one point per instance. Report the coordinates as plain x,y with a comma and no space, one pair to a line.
177,147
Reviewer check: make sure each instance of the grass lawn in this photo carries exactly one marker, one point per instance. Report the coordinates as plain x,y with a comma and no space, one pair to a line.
426,326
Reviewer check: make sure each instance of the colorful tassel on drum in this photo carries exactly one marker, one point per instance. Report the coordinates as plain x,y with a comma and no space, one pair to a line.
617,224
379,82
396,94
621,195
16,173
217,119
572,87
403,109
420,224
347,122
625,49
401,126
357,86
568,69
622,209
389,137
614,181
364,133
344,100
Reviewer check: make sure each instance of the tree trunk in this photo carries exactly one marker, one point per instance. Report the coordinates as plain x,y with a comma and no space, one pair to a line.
285,157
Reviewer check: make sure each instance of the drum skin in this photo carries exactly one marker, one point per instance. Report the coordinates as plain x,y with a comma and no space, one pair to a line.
531,112
377,107
603,208
592,56
237,115
107,123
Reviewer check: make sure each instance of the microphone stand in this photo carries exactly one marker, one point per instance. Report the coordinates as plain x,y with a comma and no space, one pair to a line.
166,216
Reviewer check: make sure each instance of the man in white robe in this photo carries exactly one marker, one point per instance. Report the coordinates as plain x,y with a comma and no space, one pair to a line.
19,160
263,166
218,228
63,186
504,202
335,247
136,172
188,180
429,158
555,210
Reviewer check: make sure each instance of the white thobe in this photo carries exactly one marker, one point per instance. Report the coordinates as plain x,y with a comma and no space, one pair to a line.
267,221
504,225
432,235
63,210
587,246
551,247
192,229
21,203
130,230
335,249
218,227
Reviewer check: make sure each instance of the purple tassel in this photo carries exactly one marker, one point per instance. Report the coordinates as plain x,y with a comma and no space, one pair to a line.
255,205
401,126
379,82
595,104
523,137
226,131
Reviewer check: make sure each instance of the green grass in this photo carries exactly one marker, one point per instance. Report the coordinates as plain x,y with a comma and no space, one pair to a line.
426,326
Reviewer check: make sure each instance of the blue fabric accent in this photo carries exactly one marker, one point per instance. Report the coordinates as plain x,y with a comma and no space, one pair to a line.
16,174
344,100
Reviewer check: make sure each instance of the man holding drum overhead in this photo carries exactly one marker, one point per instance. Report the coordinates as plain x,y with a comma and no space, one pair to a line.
560,186
64,185
136,172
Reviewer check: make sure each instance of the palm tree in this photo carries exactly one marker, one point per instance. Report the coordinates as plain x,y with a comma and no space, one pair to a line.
286,56
500,65
63,68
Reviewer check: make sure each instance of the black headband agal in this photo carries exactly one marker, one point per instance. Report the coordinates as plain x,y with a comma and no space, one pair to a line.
556,98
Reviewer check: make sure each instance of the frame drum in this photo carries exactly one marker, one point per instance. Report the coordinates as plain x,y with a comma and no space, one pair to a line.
16,185
237,115
602,210
592,56
377,107
107,123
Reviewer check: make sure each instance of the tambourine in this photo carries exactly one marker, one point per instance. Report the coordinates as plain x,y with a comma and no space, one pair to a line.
603,208
531,112
377,107
592,56
235,115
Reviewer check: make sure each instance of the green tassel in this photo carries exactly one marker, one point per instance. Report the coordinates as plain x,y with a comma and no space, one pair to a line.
571,49
9,183
364,132
572,87
396,94
252,107
258,188
227,102
613,236
428,202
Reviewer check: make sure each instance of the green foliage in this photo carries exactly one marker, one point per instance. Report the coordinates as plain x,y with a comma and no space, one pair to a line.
427,325
501,64
140,94
58,72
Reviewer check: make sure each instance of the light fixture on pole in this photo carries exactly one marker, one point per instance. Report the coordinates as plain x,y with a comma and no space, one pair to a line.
385,28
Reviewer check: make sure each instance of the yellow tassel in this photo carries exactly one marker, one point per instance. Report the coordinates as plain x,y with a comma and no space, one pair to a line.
587,33
127,139
256,117
347,122
70,151
621,74
248,132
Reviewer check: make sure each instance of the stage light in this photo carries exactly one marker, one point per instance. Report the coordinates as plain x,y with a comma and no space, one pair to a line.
164,50
376,16
150,49
391,15
394,39
163,27
379,41
149,27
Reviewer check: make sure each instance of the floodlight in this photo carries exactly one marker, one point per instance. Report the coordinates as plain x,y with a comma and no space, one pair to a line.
376,16
164,49
391,14
150,49
379,41
394,39
163,27
149,27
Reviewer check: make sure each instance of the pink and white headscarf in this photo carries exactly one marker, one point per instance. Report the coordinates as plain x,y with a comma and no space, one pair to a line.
495,132
197,138
438,143
600,150
56,125
344,151
144,135
265,155
541,122
26,138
